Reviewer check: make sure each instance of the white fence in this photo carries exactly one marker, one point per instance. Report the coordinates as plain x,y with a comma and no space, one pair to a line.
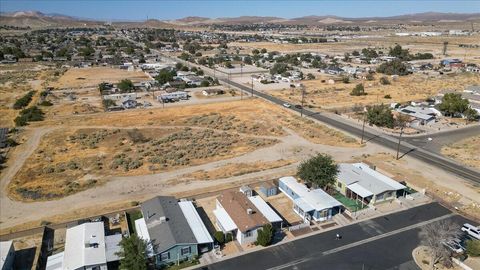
298,227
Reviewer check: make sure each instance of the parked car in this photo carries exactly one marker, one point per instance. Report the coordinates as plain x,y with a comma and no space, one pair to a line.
298,106
471,230
287,105
454,246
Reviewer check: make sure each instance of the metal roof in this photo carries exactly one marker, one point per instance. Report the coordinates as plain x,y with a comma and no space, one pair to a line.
317,198
112,246
224,219
265,209
5,247
196,224
359,190
84,245
166,223
369,179
55,262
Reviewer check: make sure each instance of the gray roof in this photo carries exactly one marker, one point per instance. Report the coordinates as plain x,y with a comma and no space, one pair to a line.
166,224
367,178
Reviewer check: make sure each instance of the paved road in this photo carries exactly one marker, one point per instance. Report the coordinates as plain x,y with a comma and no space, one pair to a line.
381,243
443,138
377,137
371,135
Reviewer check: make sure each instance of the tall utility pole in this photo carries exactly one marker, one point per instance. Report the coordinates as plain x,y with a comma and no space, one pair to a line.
399,141
252,86
363,126
303,99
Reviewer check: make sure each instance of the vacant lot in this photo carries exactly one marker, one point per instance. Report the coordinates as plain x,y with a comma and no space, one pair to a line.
414,87
236,169
85,77
70,160
466,151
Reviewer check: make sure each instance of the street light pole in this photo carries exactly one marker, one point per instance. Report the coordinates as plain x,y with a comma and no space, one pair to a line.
399,141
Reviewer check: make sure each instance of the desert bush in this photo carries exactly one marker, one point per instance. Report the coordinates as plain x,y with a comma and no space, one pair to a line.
23,101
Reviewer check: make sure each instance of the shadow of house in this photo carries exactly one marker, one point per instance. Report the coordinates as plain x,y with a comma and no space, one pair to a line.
24,258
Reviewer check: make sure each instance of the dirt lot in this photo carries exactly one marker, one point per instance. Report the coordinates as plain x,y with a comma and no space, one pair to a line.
465,151
407,88
70,160
87,77
236,169
284,206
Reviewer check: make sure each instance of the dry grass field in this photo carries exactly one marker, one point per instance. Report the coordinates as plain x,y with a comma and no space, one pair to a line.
432,45
466,151
407,88
71,160
85,150
236,169
88,77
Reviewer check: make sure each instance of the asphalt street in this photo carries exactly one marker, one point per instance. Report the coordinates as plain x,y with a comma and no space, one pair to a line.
381,243
443,138
382,139
370,135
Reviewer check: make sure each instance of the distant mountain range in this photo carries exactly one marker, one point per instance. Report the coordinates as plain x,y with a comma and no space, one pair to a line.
37,19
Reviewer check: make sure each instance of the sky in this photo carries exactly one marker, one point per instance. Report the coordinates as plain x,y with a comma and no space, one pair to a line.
168,9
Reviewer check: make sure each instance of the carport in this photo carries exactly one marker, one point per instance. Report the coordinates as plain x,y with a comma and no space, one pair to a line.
359,193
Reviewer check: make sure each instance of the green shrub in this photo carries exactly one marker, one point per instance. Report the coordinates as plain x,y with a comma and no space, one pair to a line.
384,80
219,237
359,90
473,248
45,103
23,101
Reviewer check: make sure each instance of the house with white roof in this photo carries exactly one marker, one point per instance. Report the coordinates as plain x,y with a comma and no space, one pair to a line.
174,230
308,203
420,115
86,247
360,182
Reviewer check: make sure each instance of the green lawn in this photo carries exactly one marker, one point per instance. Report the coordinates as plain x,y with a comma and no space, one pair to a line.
131,217
352,205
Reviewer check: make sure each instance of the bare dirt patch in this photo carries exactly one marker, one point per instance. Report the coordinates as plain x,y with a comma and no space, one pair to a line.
414,87
69,160
236,169
87,77
465,151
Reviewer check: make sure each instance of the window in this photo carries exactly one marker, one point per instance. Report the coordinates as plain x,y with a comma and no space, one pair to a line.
185,250
248,234
165,256
339,184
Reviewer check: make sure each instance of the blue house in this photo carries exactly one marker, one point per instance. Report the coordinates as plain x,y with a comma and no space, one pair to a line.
309,204
174,230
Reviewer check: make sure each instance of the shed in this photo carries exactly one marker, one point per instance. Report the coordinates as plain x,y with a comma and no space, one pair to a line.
246,190
269,189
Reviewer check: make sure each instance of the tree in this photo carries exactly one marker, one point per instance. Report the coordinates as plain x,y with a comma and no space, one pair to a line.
205,83
133,253
310,76
125,85
400,53
359,90
395,67
263,50
279,68
265,235
255,52
434,235
453,104
219,237
471,114
401,120
473,248
380,115
320,170
346,79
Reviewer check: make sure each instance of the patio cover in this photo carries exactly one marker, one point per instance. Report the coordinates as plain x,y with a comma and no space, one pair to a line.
359,190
